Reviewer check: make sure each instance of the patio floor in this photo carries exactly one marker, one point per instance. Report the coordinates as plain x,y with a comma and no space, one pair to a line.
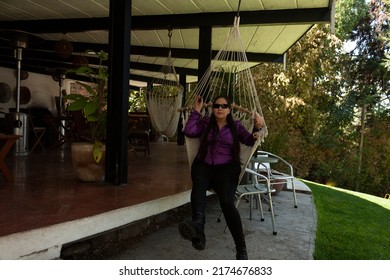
46,207
46,200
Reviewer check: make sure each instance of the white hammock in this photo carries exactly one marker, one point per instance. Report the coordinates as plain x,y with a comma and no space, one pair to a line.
163,99
229,74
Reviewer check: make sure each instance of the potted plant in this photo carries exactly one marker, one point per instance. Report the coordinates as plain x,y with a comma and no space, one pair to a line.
93,105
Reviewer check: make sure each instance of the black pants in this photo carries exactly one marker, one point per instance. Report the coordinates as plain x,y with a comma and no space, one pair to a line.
223,179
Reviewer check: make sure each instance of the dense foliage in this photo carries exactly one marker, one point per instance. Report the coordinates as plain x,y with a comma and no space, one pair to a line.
137,101
328,112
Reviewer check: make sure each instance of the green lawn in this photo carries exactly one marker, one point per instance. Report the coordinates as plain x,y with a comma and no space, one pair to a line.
351,225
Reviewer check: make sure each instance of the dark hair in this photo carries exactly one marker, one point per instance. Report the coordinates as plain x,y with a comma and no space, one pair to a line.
212,126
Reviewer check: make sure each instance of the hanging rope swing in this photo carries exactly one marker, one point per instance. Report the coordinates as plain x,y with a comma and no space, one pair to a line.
228,74
164,97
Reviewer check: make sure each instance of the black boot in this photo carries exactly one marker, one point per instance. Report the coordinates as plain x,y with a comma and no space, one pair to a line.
193,230
199,242
241,253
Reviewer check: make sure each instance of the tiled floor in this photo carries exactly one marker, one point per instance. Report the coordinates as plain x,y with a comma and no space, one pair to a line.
46,192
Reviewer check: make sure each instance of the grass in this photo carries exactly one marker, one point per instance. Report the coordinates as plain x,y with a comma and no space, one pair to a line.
351,225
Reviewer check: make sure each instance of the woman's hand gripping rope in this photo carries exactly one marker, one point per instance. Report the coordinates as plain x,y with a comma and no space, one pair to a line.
258,121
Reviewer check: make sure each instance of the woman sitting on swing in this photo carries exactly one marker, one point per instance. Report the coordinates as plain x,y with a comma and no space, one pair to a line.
217,166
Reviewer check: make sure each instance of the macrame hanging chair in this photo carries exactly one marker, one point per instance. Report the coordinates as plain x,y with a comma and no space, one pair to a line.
164,97
229,74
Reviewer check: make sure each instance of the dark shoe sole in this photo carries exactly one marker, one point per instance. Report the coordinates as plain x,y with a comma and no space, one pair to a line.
241,255
199,244
189,232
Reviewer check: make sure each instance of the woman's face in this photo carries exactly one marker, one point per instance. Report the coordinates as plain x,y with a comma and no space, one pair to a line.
221,108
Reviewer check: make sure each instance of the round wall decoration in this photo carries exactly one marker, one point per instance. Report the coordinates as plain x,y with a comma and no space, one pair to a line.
5,92
80,60
63,48
23,74
25,95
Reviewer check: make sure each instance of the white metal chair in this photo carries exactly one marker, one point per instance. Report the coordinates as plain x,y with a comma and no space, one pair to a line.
276,176
255,190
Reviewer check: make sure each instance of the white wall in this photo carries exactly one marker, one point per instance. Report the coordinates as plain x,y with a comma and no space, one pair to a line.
42,87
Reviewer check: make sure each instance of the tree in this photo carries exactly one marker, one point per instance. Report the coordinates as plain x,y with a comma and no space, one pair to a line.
327,103
296,102
366,79
349,13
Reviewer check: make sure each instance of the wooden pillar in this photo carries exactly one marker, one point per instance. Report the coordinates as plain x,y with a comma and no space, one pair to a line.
118,92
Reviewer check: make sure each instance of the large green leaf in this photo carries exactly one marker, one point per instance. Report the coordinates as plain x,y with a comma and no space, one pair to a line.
97,151
76,105
94,117
91,107
91,90
73,96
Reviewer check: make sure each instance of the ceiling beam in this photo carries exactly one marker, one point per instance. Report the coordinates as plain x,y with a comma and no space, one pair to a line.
225,19
194,54
51,67
141,78
36,68
49,62
157,68
42,69
49,45
222,19
32,65
48,53
163,52
131,87
78,47
58,25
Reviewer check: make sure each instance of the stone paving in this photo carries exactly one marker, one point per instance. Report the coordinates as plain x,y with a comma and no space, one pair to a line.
294,240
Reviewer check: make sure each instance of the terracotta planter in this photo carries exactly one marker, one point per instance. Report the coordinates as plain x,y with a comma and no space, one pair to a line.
278,185
86,168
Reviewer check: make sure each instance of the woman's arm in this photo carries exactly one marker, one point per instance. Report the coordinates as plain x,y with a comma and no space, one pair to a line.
247,138
195,125
244,135
258,123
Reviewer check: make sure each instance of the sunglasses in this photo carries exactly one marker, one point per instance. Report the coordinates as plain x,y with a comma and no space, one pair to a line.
223,106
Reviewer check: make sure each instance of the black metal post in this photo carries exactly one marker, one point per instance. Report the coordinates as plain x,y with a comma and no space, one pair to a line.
180,134
118,92
205,33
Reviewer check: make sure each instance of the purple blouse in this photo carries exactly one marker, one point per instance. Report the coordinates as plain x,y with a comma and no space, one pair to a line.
219,147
